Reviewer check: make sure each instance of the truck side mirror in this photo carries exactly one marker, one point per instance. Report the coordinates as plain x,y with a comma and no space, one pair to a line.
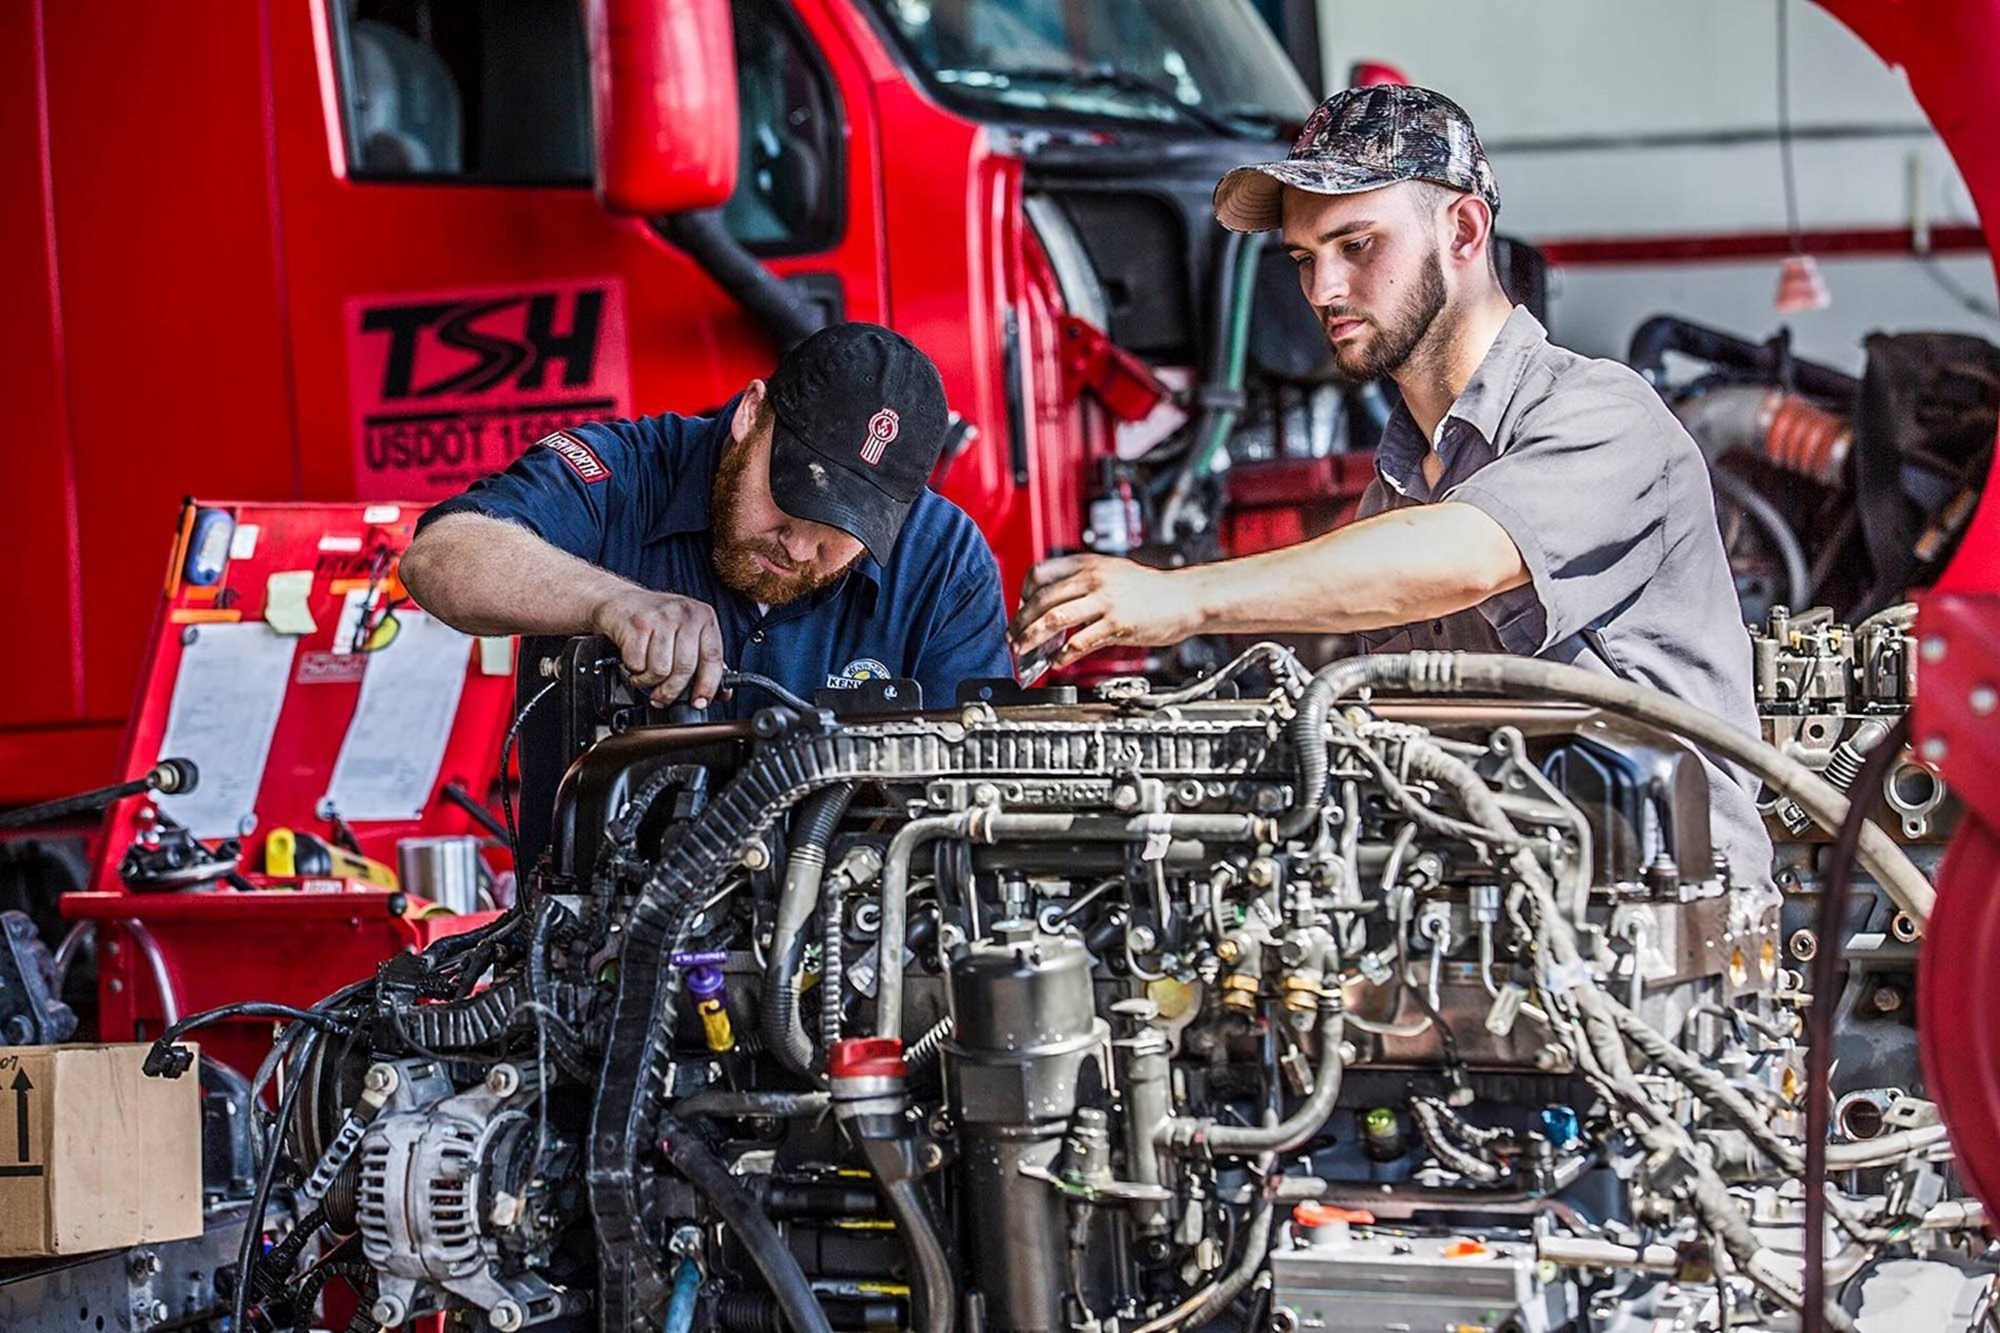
663,90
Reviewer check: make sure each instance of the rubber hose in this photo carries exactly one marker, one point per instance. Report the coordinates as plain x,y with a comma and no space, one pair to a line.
934,1282
1505,675
687,1286
1239,284
767,1249
1307,733
784,1028
1798,578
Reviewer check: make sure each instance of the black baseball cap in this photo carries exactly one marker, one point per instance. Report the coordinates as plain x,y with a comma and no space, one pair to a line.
860,420
1363,139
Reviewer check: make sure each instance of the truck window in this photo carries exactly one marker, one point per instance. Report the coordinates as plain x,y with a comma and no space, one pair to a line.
789,175
496,93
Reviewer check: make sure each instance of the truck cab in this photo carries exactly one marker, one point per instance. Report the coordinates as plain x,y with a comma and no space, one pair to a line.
371,249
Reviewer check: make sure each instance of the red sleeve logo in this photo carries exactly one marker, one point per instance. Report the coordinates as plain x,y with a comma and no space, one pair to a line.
581,458
882,430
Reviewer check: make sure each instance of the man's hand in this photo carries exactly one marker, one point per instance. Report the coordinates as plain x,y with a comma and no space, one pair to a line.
669,644
1101,601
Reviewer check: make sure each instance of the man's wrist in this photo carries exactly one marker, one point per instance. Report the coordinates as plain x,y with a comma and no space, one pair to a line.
1204,590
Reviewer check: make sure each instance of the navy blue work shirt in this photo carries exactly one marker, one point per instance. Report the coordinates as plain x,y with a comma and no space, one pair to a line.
636,502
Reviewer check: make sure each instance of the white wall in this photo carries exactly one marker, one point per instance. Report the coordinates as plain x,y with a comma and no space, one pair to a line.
1535,73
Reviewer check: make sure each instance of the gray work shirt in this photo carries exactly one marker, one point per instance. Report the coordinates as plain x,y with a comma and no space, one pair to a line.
1608,501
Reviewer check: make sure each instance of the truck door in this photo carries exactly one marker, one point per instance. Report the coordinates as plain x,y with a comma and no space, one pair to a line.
456,290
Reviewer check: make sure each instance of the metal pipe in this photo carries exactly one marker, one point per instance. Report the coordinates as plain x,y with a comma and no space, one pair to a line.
985,825
896,910
1883,1149
1185,1133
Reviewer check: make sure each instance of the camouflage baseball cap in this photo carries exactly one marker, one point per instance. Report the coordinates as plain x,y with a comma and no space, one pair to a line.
1362,139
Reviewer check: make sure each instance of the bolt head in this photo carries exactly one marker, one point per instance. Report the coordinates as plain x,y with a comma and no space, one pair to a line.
1933,749
1984,699
1932,648
506,1317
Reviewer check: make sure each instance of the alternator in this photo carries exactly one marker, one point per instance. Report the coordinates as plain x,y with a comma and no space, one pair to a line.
432,1207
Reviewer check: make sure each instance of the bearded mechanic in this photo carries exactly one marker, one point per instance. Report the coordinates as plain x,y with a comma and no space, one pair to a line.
1527,499
792,534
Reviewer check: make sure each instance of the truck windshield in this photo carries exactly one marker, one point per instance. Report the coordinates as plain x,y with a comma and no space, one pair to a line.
1206,63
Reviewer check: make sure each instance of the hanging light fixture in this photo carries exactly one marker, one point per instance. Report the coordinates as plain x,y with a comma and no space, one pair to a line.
1801,286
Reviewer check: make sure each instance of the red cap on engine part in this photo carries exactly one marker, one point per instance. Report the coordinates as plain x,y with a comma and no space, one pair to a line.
867,1057
1312,1214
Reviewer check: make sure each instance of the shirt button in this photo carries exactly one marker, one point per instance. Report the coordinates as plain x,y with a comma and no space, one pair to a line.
1437,627
757,636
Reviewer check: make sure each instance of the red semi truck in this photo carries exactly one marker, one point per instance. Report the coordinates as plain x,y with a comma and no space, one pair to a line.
370,249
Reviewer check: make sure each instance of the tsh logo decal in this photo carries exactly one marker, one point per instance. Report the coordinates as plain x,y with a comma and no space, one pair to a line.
485,330
449,386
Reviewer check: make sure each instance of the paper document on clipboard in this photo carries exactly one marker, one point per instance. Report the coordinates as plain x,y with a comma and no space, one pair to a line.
225,708
409,700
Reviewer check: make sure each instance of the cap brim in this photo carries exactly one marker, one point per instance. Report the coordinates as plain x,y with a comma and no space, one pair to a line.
805,485
1252,198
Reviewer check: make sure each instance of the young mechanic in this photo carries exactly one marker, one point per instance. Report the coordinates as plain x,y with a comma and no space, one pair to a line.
1527,499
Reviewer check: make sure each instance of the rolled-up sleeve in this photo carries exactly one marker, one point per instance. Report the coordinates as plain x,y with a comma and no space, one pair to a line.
1582,491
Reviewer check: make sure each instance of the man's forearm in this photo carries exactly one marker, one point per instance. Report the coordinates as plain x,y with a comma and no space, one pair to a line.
484,575
1394,568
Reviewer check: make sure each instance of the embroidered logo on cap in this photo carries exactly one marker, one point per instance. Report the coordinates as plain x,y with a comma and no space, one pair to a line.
581,458
882,428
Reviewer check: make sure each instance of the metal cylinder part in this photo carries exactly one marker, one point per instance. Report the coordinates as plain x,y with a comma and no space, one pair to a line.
1026,1025
444,870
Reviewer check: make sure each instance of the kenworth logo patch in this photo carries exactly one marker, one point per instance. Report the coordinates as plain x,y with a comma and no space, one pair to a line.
581,458
883,428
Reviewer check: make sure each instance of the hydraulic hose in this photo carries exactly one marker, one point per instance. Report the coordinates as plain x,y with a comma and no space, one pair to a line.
1798,576
1505,675
798,902
934,1285
767,1249
1238,286
1184,1133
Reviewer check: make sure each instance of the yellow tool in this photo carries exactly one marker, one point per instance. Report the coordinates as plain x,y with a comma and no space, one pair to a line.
290,853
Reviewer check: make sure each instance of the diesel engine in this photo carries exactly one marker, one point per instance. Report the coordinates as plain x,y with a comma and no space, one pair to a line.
1380,998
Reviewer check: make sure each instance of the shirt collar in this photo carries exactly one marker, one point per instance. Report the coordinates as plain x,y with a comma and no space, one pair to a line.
687,509
1486,395
1400,455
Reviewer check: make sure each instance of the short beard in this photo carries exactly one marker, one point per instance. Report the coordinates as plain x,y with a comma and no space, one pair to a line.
1394,344
735,552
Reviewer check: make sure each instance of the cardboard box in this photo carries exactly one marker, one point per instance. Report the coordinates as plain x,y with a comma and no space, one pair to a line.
93,1154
